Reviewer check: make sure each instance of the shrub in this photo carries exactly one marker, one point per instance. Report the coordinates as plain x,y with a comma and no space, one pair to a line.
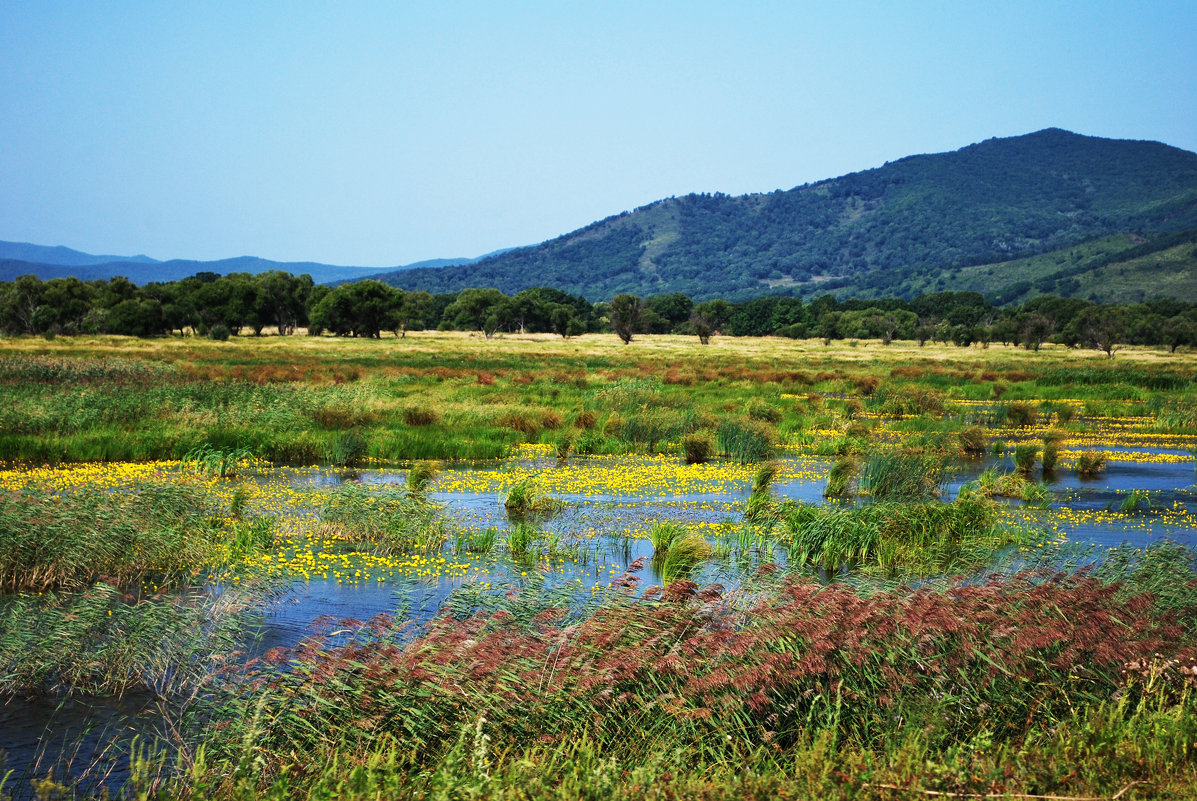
1090,463
527,497
697,448
1024,457
972,440
1051,455
840,478
348,449
565,444
906,400
217,462
420,477
387,518
482,541
522,421
1064,413
760,503
420,416
219,332
763,411
686,554
664,535
1021,413
521,538
927,537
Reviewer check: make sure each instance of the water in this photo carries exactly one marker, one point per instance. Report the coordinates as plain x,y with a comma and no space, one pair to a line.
603,531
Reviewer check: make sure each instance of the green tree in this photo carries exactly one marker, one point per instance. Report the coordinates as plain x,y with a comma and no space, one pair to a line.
626,314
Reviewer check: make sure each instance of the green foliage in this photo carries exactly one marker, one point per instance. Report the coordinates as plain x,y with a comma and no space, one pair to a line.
527,497
902,474
157,532
1090,463
1025,456
683,557
217,462
421,475
1051,455
521,537
386,518
973,441
664,535
924,538
743,440
697,448
348,449
839,479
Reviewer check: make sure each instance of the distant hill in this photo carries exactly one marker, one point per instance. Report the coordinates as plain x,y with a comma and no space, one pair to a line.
41,254
914,225
20,258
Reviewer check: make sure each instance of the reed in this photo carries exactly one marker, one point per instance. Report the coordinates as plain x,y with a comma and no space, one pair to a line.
527,497
902,474
744,441
1090,464
1027,682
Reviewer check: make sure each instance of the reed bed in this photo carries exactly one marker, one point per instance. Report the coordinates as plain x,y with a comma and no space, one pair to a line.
785,683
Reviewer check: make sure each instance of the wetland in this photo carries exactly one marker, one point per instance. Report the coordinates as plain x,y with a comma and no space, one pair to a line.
449,566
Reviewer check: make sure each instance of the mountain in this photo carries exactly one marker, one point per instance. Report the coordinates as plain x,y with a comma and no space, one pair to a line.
20,258
910,226
40,254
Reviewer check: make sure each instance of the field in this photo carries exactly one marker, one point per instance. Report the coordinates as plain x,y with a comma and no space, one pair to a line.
446,566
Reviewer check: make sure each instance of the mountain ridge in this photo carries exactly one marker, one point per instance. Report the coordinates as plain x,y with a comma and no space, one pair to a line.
46,262
865,233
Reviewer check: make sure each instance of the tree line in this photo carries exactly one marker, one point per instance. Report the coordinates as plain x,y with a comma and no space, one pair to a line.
218,306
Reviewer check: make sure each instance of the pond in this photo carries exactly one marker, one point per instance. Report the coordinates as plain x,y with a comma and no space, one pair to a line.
610,505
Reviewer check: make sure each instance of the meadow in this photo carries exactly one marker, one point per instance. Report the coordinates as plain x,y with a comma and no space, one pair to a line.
445,566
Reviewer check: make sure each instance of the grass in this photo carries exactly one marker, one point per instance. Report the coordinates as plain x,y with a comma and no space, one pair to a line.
918,538
1019,685
158,533
527,497
1049,683
902,474
1090,464
387,519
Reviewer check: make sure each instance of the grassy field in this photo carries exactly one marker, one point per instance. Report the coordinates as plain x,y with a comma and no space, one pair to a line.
141,473
299,400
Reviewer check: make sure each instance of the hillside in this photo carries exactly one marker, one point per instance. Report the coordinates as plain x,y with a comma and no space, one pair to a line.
909,226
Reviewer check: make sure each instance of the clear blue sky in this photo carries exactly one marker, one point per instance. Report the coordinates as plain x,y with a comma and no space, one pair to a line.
381,133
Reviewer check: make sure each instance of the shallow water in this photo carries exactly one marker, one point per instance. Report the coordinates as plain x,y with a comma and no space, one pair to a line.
603,529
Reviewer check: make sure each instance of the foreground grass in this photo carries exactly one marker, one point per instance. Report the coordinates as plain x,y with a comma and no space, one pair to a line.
1074,684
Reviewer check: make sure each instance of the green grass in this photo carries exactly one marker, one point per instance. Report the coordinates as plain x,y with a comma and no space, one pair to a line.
388,520
158,533
902,474
915,538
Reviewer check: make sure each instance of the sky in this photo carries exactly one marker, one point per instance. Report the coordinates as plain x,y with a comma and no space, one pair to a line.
383,133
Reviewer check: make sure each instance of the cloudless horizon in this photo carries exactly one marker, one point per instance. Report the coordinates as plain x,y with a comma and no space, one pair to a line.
380,134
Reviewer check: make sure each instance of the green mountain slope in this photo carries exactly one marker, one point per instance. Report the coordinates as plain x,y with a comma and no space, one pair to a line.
899,229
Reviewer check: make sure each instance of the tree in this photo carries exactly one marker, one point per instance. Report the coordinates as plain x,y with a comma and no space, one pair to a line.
1033,330
673,309
413,313
626,313
1103,328
1178,331
472,308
